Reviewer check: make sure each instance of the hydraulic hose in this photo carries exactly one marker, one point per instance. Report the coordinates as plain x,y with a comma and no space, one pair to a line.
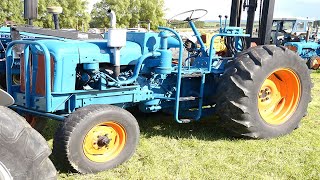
136,70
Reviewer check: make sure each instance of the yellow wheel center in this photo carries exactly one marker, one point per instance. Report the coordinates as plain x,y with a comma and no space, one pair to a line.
279,96
104,142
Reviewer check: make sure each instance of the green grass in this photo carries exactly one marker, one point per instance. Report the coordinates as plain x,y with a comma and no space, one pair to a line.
204,151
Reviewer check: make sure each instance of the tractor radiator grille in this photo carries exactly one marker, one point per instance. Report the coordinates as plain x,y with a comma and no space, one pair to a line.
39,80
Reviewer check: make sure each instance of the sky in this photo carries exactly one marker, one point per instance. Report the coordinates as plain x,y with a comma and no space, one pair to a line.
283,8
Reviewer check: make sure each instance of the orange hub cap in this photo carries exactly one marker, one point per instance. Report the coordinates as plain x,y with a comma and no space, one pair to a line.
279,96
104,142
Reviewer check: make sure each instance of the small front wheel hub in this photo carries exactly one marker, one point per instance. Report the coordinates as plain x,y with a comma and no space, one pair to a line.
104,142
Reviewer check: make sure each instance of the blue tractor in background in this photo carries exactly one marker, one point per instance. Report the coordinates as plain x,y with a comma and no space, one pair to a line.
289,30
307,48
297,35
310,51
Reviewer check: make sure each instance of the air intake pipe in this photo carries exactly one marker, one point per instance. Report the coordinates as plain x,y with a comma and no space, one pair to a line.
117,39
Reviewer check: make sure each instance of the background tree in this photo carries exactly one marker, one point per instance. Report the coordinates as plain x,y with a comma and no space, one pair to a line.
44,18
74,14
11,10
99,13
135,7
152,10
129,13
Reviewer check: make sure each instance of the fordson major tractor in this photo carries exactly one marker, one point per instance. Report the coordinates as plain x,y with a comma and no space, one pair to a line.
297,35
258,92
289,29
308,50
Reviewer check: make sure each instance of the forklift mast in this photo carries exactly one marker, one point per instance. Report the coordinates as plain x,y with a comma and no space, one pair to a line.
265,18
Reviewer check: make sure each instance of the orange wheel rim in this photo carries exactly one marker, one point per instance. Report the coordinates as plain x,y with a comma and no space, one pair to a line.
104,142
279,96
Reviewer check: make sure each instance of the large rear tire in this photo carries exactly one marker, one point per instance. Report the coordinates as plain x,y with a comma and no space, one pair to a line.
264,92
96,138
24,153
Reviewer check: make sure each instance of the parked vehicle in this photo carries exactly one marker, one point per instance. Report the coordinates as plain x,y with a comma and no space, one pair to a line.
289,30
259,92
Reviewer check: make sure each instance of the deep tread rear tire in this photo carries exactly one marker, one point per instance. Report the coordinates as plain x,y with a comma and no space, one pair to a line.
69,138
237,100
23,151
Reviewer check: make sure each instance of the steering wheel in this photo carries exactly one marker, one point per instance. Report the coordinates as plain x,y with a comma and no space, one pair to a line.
189,18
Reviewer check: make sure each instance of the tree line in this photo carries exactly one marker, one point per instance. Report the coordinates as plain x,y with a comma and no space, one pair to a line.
75,16
74,13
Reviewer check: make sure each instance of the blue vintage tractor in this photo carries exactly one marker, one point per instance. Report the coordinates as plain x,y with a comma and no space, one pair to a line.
296,35
308,50
289,29
260,92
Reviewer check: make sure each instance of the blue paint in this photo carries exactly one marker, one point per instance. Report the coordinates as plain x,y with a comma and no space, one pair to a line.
198,36
81,73
5,39
306,50
9,60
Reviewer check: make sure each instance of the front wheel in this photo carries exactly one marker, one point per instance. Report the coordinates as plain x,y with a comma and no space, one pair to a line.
264,92
96,138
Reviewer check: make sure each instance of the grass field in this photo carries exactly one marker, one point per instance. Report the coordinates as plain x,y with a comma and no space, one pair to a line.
204,151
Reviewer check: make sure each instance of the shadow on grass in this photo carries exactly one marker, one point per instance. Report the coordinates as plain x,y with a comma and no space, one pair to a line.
161,124
50,129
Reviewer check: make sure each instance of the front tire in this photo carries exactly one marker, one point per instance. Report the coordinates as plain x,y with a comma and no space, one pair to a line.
264,92
96,138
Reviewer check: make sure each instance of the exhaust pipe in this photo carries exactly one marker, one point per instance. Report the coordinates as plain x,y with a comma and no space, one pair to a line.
113,18
308,34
